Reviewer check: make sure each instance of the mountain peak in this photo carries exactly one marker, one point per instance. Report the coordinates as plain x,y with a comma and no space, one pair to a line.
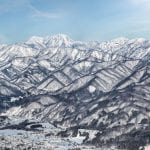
120,40
140,40
58,40
35,39
64,36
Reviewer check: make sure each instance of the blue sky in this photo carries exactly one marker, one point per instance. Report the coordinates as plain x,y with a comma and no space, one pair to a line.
80,19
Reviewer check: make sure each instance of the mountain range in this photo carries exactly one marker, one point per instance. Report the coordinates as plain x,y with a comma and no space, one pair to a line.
94,92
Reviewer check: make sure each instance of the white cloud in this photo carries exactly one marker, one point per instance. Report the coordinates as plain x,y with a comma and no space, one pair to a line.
140,2
42,14
9,6
46,15
142,7
12,5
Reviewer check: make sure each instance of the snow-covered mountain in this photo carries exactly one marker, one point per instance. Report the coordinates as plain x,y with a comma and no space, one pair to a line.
96,90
